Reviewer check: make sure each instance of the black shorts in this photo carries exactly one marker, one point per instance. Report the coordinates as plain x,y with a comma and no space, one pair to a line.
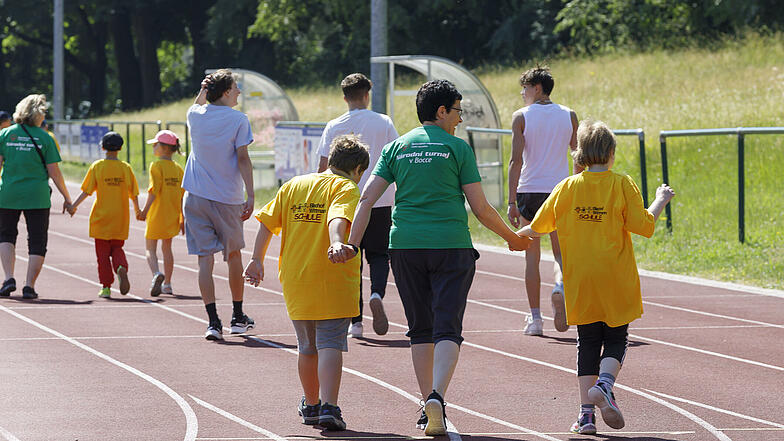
596,341
529,203
433,286
37,220
376,238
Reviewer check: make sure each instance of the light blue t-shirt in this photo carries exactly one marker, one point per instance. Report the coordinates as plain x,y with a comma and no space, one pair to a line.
212,171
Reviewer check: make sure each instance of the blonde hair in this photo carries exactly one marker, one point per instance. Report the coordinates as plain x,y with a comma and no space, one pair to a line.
347,152
595,144
29,109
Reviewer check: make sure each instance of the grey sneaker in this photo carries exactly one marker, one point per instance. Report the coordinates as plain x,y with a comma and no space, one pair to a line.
125,284
605,400
559,308
155,286
214,331
309,412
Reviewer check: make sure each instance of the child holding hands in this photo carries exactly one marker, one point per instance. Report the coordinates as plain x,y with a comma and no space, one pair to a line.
114,182
163,209
594,213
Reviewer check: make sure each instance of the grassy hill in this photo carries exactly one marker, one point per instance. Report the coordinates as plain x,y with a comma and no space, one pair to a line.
737,83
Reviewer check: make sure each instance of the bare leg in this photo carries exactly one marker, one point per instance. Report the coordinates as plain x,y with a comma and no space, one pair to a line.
34,266
8,258
422,356
236,282
152,257
168,260
445,358
307,366
532,279
206,284
330,368
558,265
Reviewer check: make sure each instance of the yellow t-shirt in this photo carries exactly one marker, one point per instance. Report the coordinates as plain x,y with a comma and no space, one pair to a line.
594,213
114,183
163,219
313,287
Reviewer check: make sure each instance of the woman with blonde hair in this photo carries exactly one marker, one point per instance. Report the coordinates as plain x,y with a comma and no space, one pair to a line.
28,158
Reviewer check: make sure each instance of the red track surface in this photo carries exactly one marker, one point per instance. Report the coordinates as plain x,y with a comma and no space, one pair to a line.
703,364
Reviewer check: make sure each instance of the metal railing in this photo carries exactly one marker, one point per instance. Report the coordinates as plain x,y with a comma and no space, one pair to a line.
740,132
639,133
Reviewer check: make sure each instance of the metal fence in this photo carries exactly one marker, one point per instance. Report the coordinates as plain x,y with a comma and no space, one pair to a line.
740,132
639,133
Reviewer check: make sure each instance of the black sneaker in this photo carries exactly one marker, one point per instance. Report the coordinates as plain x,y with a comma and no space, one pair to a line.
435,410
214,331
422,421
308,412
242,324
29,293
330,418
8,287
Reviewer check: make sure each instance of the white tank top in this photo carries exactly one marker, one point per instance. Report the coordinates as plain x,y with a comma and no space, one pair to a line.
548,130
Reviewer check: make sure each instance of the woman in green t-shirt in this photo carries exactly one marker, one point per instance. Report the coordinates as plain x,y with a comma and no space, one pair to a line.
28,157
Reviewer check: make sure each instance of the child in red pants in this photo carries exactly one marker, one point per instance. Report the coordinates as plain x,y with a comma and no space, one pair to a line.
113,181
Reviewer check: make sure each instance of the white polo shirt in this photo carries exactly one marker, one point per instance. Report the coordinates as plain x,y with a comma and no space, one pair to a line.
375,130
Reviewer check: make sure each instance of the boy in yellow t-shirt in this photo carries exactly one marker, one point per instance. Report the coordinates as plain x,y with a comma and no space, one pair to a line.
311,212
164,206
594,213
114,182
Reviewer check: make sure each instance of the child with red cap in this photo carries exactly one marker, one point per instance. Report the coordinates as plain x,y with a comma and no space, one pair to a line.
163,210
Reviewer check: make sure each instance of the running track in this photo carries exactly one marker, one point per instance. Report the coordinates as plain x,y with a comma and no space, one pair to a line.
705,362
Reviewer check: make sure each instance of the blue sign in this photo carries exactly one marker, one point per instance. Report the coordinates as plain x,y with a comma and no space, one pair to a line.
91,141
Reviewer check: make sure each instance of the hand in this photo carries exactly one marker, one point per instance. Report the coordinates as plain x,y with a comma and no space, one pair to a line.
67,207
665,193
520,244
339,252
513,214
254,272
140,215
247,209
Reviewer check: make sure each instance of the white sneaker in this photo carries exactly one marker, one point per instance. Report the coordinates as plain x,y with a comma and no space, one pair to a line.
380,321
155,286
355,330
166,288
557,301
533,326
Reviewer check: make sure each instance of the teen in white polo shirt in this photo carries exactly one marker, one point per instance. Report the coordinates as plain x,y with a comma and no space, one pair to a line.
375,130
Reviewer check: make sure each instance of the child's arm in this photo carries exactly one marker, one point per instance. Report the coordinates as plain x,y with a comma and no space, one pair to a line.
527,231
147,205
79,200
254,271
663,196
136,208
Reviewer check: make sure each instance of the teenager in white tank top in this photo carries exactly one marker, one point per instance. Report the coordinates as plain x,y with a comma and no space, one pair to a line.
548,130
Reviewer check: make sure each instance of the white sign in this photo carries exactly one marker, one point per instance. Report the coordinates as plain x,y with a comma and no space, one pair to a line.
296,151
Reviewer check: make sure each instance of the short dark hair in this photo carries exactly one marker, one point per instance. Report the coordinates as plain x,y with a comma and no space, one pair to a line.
347,152
538,75
4,115
218,83
433,95
112,141
355,86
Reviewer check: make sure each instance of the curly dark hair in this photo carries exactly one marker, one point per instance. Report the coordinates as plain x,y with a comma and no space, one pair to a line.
539,74
218,83
433,95
355,86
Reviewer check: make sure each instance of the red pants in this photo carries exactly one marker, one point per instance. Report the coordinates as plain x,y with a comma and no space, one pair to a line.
110,257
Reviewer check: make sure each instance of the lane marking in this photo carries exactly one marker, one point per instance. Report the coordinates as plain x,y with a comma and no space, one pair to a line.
99,306
716,409
710,314
192,424
8,435
237,419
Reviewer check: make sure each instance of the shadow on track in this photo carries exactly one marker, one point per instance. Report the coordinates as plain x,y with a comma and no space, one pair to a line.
374,343
251,343
40,301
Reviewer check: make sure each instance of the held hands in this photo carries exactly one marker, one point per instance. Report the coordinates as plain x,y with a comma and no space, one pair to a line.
254,272
70,208
140,215
521,243
340,252
665,193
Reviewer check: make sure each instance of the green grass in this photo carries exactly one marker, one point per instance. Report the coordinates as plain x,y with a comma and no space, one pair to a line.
739,84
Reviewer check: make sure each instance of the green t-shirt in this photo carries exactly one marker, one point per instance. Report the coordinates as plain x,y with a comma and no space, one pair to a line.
430,168
24,180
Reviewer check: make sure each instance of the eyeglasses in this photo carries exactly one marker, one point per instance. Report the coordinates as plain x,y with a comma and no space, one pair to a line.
459,110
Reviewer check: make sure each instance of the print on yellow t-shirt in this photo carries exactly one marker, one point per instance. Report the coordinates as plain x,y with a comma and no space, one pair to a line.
163,219
114,183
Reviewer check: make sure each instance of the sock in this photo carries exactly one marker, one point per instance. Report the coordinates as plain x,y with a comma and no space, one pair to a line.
237,309
607,379
212,312
536,313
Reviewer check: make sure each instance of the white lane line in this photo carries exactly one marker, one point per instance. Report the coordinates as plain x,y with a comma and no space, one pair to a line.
192,424
716,409
706,352
348,370
99,306
8,435
746,289
710,314
237,419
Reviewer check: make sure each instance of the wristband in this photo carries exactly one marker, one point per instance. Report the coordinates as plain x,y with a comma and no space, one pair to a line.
354,247
512,203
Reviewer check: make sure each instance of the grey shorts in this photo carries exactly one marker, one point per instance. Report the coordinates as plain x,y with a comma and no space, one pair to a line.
212,226
314,335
